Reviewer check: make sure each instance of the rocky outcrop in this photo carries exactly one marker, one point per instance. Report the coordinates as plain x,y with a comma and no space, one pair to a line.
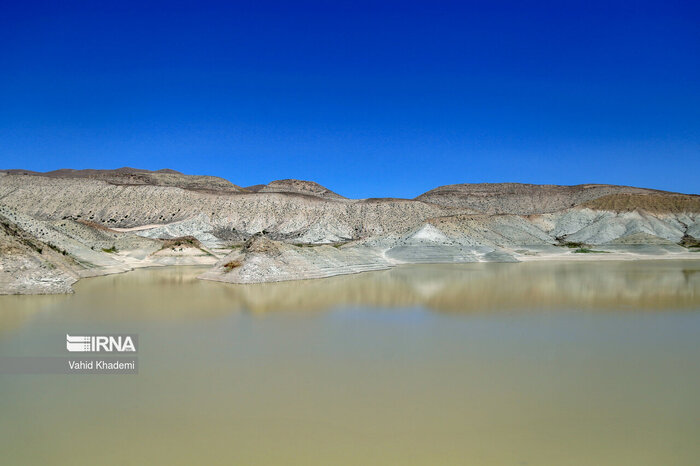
263,260
29,266
48,256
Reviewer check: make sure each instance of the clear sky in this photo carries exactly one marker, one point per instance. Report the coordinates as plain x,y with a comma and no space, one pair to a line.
375,98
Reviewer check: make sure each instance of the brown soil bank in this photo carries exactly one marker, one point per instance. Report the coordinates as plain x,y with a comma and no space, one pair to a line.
522,199
653,202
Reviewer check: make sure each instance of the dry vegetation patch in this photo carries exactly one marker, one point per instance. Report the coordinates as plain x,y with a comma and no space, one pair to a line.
182,241
689,242
96,226
230,265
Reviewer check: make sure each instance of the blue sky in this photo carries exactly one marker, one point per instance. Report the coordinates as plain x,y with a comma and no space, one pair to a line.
367,98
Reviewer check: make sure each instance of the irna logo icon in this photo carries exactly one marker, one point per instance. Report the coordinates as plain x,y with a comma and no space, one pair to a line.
101,343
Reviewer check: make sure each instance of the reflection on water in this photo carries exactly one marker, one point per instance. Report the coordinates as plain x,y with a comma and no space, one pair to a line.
430,364
176,293
489,287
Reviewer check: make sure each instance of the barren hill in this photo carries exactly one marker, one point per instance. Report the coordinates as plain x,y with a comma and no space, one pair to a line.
106,221
657,202
522,199
300,187
138,177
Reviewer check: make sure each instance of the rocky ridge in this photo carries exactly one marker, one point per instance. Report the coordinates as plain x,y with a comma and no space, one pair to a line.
64,225
309,188
522,199
127,176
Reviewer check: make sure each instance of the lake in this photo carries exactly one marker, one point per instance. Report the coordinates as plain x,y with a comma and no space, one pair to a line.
487,364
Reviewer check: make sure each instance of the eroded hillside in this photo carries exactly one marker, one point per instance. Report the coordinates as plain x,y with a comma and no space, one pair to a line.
63,225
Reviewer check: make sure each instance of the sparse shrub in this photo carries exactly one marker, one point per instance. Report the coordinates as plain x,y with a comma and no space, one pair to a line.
589,251
232,265
111,250
689,242
186,241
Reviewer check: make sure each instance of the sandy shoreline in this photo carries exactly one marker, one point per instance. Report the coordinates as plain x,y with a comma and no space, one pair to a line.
607,256
131,264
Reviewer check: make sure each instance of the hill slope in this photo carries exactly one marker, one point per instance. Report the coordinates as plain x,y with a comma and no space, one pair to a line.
521,199
111,221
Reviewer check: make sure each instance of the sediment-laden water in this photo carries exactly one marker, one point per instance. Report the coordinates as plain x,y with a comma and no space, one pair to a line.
523,364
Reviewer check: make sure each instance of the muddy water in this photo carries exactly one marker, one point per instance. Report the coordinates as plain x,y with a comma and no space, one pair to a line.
533,363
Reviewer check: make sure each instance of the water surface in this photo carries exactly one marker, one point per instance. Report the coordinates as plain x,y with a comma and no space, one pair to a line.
532,363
